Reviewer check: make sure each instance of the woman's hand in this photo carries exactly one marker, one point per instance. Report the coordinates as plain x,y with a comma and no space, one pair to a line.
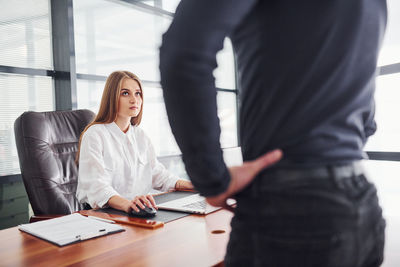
184,185
139,202
120,203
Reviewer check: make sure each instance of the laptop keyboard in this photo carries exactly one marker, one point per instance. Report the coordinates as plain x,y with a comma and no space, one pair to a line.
196,205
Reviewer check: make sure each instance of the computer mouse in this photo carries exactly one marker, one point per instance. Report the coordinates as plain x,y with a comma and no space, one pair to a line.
145,213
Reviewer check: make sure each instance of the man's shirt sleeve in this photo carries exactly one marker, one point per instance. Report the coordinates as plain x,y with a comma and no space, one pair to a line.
187,61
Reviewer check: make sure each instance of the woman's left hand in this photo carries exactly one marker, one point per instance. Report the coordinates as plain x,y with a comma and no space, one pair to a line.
184,185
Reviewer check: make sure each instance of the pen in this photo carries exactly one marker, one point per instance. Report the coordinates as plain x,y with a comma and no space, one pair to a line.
91,235
101,219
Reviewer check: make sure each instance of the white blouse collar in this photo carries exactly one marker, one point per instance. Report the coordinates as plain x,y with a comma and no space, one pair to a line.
115,130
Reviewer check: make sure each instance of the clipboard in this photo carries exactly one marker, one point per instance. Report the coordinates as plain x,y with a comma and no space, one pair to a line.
69,229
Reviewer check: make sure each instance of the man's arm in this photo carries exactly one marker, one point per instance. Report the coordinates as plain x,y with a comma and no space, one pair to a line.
187,60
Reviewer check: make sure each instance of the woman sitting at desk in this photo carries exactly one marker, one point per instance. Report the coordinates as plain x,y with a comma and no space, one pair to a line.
117,162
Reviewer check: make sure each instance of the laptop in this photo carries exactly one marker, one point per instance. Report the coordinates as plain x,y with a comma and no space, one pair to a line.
193,203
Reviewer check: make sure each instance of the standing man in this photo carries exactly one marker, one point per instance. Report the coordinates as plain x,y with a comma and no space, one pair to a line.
307,80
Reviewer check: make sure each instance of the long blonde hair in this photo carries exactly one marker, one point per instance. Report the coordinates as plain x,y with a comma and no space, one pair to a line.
108,110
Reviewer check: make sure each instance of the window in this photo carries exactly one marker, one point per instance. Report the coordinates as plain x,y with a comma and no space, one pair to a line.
390,52
385,143
25,47
25,34
112,36
130,41
387,95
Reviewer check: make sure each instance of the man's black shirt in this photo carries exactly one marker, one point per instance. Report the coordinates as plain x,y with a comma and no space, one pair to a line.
306,72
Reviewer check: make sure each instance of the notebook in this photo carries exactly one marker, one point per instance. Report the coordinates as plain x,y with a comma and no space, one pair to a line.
69,229
192,203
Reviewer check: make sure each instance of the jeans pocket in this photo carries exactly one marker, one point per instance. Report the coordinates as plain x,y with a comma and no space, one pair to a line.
308,250
374,256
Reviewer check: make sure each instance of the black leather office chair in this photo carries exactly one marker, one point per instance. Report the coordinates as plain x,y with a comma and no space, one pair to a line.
47,143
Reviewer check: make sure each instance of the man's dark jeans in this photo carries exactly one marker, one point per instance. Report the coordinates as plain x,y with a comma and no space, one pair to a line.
327,216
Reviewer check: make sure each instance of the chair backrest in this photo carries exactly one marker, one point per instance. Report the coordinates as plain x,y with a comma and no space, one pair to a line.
47,143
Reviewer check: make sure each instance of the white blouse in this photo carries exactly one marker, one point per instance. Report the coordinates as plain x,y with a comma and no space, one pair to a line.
112,162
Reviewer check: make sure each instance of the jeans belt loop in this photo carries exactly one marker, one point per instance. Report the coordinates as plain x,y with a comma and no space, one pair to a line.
346,171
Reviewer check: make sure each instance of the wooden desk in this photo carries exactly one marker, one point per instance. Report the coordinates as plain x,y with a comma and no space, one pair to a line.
185,242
